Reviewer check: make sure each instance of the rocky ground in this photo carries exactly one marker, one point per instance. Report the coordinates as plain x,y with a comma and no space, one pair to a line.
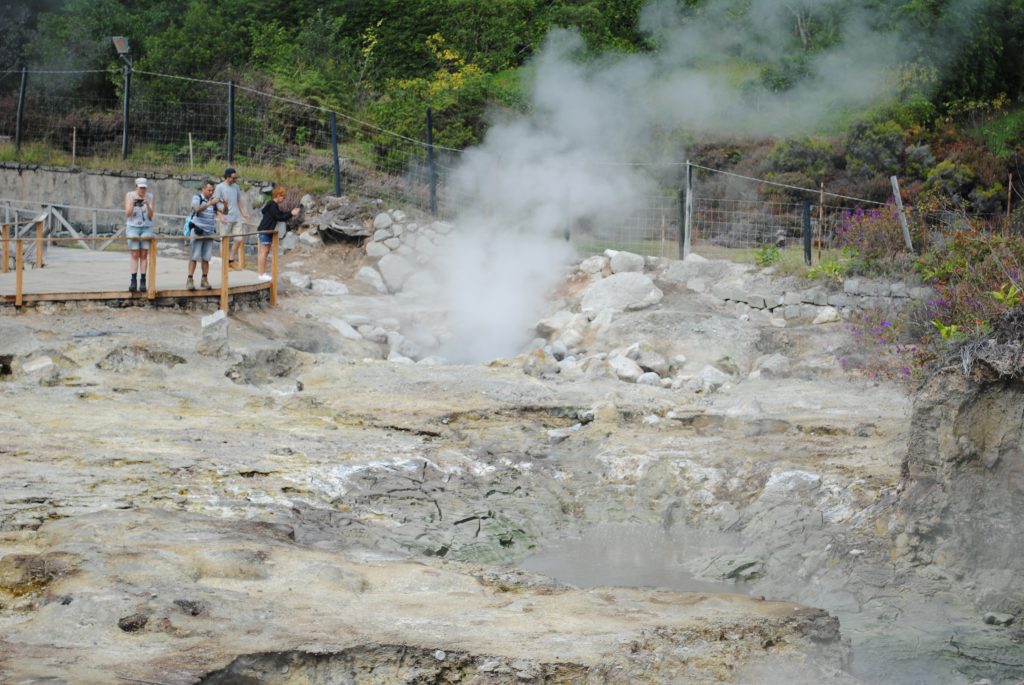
309,494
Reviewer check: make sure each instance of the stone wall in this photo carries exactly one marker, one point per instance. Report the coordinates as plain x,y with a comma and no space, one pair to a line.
97,188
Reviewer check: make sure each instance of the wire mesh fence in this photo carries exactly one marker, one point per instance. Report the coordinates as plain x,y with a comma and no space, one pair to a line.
200,122
176,120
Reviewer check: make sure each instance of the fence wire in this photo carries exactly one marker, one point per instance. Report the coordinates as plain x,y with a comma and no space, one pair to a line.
189,121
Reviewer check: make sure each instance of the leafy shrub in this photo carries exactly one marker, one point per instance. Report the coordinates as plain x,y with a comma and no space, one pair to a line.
988,200
950,180
831,269
808,156
767,255
874,237
965,272
918,159
884,347
875,148
1003,134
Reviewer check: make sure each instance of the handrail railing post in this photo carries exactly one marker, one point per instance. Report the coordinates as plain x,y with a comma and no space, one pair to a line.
224,254
151,282
6,248
39,244
275,240
19,269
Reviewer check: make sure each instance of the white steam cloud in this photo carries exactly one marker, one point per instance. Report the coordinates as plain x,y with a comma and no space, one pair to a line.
532,179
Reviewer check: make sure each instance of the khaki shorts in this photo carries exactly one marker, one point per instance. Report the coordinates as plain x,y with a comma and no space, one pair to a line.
232,228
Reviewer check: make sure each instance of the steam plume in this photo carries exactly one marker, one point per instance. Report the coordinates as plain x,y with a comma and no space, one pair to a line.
534,178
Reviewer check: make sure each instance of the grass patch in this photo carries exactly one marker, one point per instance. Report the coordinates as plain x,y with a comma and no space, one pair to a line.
149,159
1002,134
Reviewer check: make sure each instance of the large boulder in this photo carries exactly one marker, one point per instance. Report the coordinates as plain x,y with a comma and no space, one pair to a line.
395,269
622,292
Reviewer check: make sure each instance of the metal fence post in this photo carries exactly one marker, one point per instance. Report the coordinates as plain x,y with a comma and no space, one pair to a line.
431,168
684,245
231,121
124,114
807,232
334,150
903,216
21,109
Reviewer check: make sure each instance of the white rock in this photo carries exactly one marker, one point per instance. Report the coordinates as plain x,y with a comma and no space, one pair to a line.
594,264
625,368
826,315
373,333
310,239
395,270
649,378
344,329
398,215
558,435
37,365
624,262
772,365
383,234
382,220
554,324
393,243
571,339
296,279
713,378
622,292
329,287
372,278
441,227
376,250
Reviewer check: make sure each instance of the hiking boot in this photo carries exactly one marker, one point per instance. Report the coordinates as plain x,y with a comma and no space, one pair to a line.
205,284
142,282
190,284
132,287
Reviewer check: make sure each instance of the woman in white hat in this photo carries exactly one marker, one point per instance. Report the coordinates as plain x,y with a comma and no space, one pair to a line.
138,209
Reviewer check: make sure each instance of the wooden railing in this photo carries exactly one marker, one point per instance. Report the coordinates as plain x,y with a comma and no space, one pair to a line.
151,290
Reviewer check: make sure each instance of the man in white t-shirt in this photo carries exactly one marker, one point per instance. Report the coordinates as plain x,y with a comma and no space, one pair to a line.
231,220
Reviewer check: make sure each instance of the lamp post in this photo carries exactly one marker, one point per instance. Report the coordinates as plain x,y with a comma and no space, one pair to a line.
124,51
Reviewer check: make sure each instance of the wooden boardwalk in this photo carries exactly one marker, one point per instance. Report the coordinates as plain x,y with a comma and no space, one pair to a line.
70,274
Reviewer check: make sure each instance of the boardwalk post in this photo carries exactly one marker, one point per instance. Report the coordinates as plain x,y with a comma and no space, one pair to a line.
224,254
19,269
7,249
39,244
151,283
275,241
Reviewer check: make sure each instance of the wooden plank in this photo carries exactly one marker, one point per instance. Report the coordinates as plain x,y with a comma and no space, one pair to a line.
125,295
71,229
274,242
151,282
19,270
39,244
224,268
120,232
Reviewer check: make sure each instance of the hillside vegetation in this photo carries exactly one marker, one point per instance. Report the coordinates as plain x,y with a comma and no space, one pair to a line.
946,117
